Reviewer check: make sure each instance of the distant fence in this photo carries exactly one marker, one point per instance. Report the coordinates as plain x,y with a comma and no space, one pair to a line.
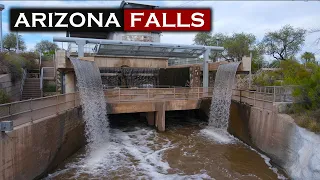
22,112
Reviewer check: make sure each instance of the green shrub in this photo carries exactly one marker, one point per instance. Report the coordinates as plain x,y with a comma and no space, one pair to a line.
49,87
14,63
30,59
4,97
305,78
310,124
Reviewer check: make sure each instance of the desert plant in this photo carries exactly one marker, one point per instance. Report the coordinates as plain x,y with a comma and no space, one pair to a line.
49,87
4,97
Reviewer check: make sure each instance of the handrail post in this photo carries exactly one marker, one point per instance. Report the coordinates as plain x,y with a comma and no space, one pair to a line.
57,104
174,93
148,91
263,100
31,111
274,94
119,95
74,96
198,92
9,110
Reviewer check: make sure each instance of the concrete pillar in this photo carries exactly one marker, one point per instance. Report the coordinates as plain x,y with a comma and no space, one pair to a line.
160,115
150,118
70,82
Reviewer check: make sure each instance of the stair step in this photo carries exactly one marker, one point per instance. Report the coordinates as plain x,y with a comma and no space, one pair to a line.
34,87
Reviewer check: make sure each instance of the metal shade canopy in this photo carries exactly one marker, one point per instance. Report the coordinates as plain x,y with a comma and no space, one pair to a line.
138,50
135,48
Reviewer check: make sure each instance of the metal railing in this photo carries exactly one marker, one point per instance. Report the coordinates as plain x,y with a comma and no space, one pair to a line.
23,79
27,111
155,94
41,82
262,99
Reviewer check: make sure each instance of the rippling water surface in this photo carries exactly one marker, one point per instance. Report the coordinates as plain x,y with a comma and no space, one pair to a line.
187,150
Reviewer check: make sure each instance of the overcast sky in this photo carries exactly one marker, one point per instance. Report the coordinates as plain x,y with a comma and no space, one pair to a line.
256,17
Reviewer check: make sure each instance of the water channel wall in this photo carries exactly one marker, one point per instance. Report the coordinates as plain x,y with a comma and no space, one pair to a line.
294,149
32,150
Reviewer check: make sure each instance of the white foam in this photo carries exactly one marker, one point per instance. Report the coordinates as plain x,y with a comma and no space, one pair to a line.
220,136
115,155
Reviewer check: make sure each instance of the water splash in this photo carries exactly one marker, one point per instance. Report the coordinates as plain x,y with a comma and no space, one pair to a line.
222,93
93,101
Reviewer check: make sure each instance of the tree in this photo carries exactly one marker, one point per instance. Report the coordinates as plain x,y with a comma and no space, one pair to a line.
10,42
236,46
203,38
308,57
46,47
258,61
284,43
207,39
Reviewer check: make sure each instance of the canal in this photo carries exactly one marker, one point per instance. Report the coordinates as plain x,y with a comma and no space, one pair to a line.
187,150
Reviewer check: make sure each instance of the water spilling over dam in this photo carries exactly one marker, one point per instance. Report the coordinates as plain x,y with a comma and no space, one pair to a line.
93,101
222,93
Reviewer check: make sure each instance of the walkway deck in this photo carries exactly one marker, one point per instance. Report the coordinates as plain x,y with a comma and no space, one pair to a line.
150,100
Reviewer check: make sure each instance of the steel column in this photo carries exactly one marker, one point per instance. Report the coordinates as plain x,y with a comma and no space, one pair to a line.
81,48
205,68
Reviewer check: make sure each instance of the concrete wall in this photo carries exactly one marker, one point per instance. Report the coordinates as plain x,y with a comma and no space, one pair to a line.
114,61
12,89
70,82
30,151
146,62
294,149
174,77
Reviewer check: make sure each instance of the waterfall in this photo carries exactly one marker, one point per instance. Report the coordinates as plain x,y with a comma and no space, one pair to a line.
129,77
222,93
93,101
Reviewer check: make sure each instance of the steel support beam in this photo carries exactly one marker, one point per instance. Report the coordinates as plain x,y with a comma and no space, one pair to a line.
205,68
1,40
134,43
81,44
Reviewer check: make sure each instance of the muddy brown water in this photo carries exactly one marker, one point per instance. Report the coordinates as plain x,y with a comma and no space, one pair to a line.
137,151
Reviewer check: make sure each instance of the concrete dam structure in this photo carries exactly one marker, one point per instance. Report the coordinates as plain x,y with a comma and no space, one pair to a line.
114,119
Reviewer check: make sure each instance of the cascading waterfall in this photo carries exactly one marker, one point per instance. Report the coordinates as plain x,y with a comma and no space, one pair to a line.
93,101
222,93
129,77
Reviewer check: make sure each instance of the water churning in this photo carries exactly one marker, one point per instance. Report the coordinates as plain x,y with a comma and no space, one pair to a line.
222,93
93,102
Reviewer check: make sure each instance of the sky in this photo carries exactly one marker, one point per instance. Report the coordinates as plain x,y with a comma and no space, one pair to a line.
256,17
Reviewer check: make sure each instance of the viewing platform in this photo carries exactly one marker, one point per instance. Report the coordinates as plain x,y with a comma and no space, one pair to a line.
152,101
